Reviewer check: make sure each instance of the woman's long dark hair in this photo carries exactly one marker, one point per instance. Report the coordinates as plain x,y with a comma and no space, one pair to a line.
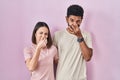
37,26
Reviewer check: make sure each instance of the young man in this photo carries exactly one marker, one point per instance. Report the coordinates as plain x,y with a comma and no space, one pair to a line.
74,46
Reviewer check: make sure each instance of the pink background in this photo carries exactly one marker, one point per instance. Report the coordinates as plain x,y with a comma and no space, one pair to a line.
18,18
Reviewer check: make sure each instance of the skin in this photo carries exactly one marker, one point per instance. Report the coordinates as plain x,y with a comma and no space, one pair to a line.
74,23
41,35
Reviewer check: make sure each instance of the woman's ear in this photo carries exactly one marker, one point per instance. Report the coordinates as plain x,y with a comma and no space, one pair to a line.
35,35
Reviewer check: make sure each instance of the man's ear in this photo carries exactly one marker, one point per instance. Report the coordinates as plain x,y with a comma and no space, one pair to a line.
66,19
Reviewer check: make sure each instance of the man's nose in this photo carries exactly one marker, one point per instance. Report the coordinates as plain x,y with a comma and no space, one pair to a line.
74,23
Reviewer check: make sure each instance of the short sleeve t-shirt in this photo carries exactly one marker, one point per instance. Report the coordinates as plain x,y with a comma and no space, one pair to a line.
71,65
45,69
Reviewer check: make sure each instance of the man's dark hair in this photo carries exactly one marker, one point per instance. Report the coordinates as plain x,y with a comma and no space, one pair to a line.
75,10
37,26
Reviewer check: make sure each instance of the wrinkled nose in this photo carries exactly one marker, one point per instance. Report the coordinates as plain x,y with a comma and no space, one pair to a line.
44,36
74,24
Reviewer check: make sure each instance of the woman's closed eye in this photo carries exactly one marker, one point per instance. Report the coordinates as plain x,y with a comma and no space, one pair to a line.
41,33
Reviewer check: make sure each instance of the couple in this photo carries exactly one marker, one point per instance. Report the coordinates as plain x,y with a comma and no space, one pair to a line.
72,48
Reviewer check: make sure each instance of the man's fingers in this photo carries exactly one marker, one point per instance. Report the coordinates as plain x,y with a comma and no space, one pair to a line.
70,30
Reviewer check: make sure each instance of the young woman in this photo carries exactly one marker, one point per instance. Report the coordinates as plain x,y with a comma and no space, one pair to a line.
40,55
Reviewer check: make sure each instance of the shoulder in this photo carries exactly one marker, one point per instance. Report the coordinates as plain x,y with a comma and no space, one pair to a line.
85,33
53,47
28,49
59,32
87,36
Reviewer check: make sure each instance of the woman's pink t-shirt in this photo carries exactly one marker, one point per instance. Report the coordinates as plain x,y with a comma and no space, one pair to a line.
45,69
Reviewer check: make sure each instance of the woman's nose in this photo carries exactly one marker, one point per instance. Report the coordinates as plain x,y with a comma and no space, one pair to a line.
44,36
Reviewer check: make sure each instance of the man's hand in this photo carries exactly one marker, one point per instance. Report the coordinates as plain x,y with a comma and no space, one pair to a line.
74,30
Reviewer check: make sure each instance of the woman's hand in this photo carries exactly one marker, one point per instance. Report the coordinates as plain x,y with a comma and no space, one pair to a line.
42,44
